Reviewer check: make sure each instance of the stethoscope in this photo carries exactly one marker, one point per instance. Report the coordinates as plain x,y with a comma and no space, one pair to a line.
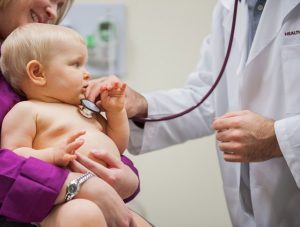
88,107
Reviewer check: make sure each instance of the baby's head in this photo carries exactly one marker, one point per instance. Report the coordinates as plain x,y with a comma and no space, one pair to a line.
39,43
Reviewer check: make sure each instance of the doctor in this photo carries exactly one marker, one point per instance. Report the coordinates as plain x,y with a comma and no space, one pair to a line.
255,111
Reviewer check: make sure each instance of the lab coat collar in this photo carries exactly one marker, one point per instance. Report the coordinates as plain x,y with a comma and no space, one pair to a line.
266,32
228,3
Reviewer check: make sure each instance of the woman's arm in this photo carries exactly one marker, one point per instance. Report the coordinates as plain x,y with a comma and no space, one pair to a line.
27,194
120,174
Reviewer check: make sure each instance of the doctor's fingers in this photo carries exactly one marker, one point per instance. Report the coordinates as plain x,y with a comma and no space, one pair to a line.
235,114
231,153
116,87
93,90
232,147
94,86
229,157
230,135
220,124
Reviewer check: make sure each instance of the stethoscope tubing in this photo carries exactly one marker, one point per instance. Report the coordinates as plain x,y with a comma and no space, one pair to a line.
221,73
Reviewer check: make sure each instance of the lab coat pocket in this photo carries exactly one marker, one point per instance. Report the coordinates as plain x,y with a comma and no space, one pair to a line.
291,78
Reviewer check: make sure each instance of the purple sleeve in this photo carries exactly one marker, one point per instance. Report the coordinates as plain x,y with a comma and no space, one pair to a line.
130,164
29,187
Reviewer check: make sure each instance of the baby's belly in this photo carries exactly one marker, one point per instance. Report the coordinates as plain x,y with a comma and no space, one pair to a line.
98,142
94,140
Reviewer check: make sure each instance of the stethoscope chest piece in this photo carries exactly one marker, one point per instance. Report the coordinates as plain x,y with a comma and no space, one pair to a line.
87,108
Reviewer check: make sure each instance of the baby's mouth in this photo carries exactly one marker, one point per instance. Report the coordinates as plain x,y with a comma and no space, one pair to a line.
34,17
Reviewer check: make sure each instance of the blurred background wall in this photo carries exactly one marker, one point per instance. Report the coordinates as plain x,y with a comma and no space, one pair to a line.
180,185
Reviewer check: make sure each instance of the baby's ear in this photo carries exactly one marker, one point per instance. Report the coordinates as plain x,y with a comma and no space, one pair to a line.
35,72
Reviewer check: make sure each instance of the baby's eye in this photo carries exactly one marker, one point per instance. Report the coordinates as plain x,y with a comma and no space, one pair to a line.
77,64
60,5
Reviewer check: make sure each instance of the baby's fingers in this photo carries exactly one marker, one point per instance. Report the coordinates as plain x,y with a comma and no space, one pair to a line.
73,146
117,85
123,86
69,158
75,135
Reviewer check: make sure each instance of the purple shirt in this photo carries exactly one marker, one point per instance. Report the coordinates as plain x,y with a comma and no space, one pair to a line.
25,194
29,187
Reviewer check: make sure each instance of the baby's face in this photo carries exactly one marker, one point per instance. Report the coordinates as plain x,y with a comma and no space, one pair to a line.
67,78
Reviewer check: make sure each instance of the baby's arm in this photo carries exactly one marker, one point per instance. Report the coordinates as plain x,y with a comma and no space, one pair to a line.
18,135
113,103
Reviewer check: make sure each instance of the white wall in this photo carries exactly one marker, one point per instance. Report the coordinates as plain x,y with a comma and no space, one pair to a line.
181,185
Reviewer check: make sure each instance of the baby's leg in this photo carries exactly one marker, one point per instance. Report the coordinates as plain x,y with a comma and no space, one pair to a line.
75,213
139,220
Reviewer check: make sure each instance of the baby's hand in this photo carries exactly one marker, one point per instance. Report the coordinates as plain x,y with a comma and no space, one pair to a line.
65,152
113,96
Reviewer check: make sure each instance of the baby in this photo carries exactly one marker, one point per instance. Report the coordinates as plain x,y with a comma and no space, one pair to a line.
48,69
50,73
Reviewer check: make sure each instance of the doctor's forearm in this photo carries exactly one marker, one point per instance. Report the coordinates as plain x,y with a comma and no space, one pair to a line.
136,104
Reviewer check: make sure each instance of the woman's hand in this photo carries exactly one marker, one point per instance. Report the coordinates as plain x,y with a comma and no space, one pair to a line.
116,174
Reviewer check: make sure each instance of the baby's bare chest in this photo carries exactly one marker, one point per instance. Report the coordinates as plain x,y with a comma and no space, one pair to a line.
65,117
55,123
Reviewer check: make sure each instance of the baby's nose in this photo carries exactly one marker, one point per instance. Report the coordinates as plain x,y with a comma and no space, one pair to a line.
86,76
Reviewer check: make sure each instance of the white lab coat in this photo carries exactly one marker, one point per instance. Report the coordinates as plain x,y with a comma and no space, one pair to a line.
266,81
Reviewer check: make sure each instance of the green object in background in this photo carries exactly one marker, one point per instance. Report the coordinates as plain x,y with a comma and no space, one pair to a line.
90,41
105,29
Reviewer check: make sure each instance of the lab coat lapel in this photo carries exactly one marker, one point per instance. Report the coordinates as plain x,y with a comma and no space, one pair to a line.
275,11
226,3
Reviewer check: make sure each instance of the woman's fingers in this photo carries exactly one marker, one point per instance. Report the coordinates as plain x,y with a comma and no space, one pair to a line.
106,157
77,167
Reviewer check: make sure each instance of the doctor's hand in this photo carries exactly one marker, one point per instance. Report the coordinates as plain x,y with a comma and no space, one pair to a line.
136,105
107,92
116,174
94,87
245,136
